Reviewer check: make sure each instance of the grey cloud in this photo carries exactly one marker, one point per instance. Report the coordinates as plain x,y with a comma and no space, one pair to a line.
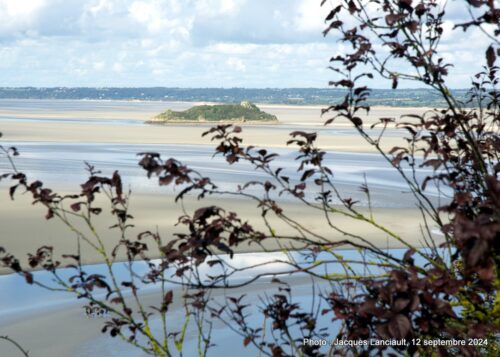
255,43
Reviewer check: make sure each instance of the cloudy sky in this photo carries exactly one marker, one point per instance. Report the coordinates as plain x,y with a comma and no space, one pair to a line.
184,43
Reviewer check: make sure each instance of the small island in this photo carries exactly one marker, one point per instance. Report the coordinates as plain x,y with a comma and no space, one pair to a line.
245,112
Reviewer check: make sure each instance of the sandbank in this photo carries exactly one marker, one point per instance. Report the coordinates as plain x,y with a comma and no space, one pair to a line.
23,227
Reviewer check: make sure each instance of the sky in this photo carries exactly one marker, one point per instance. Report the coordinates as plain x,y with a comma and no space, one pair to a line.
187,43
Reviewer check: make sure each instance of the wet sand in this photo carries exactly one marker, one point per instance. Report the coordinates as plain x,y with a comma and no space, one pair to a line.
50,125
94,110
27,229
63,330
166,134
23,228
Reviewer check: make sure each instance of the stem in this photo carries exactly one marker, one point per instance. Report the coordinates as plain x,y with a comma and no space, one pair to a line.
18,346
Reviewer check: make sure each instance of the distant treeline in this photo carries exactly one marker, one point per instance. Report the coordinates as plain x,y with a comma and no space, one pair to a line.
298,96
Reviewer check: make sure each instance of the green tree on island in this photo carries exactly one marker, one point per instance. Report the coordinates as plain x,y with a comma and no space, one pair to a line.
243,112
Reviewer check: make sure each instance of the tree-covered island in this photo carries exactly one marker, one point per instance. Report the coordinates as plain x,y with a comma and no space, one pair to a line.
245,112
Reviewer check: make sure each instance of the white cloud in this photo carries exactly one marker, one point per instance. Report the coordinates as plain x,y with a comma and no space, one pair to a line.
19,15
232,48
217,7
149,14
99,66
118,67
310,16
101,6
255,43
236,64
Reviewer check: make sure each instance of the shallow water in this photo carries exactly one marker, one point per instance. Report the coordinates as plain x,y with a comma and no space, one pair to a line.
24,300
61,165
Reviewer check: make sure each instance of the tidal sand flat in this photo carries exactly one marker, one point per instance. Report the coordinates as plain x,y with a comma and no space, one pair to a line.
56,137
24,227
94,110
60,166
112,122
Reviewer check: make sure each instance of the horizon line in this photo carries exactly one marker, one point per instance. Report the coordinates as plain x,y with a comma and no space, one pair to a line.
219,88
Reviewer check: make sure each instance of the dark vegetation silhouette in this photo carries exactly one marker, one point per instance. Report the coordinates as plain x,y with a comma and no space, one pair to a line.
449,290
18,347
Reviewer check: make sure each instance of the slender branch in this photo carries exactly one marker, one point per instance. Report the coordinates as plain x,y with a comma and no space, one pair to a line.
18,346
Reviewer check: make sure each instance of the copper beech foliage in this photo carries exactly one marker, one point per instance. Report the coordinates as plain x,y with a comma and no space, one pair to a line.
449,292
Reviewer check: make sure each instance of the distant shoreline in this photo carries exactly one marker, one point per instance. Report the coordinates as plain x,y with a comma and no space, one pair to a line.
197,102
288,96
193,103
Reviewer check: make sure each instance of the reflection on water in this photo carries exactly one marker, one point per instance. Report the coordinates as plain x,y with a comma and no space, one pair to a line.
61,164
24,300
